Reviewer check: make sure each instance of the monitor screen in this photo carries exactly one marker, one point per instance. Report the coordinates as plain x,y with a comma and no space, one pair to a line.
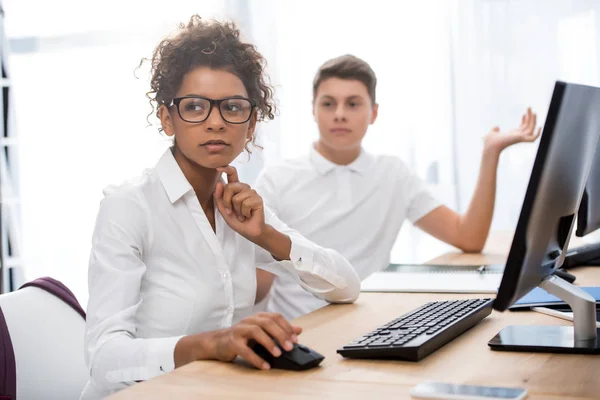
588,217
555,189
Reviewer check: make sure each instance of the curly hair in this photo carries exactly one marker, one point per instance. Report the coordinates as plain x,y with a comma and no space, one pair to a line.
213,44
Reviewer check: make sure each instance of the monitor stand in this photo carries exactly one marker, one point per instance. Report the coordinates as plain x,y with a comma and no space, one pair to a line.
582,338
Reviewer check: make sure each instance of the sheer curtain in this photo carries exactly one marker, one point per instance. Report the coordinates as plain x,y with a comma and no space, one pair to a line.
448,71
407,45
507,56
81,116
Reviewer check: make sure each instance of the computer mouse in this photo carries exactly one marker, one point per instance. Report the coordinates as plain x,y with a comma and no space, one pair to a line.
299,358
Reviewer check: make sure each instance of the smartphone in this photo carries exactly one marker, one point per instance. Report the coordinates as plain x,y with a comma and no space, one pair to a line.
448,391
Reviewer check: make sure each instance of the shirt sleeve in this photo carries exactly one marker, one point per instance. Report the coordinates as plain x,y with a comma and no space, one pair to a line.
114,356
323,272
419,199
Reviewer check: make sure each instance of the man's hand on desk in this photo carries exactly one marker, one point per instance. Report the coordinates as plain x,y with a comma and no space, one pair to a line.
227,344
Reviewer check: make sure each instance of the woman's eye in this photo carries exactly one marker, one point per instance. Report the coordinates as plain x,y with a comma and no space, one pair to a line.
233,107
194,107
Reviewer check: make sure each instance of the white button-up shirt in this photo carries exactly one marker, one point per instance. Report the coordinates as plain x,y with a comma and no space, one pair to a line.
158,272
355,209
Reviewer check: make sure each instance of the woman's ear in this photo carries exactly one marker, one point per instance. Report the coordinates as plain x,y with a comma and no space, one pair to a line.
165,120
252,126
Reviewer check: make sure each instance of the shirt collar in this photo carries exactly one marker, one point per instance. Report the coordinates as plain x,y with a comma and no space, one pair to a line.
324,166
171,176
321,164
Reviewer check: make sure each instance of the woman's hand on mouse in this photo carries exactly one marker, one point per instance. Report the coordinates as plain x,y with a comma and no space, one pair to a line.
227,344
262,328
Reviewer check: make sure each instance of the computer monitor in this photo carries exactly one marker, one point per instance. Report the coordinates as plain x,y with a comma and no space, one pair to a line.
552,199
588,220
588,217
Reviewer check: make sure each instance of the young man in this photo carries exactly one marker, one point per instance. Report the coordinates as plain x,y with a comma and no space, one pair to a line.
344,198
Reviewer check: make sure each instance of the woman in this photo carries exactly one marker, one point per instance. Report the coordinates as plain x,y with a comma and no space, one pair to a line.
174,252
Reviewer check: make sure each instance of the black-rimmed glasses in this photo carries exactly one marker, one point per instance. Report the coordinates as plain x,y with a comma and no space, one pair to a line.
235,110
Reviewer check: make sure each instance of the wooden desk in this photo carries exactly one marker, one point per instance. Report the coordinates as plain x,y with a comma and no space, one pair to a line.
466,359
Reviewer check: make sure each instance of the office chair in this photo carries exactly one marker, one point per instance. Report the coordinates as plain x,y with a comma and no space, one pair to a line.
41,342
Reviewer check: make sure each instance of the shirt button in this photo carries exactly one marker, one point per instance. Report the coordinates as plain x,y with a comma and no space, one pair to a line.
230,309
226,275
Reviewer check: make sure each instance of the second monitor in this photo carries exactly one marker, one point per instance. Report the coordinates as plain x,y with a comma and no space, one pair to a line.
588,220
553,196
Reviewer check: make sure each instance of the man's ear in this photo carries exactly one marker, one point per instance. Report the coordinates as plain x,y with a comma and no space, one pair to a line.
374,113
166,121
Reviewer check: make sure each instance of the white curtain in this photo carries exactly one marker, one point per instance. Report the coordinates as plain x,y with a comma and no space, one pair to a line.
11,263
507,56
407,45
448,71
81,116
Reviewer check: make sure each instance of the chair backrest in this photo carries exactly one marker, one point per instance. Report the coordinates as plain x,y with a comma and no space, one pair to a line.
46,326
8,370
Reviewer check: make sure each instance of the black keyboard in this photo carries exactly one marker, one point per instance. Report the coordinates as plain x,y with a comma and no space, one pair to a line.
419,333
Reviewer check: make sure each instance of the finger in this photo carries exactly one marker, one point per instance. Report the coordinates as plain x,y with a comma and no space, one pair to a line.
219,190
232,175
269,325
530,125
259,335
218,195
231,189
526,119
238,201
250,205
294,331
247,354
225,199
529,116
533,123
279,319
